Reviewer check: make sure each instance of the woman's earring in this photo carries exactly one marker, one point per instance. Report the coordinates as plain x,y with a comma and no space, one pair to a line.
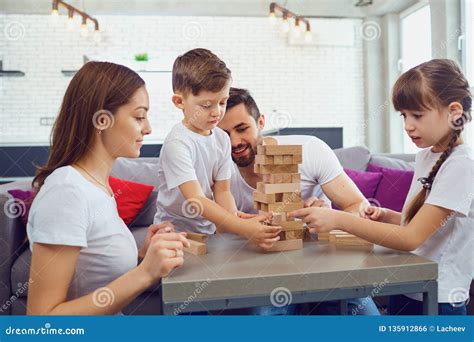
99,131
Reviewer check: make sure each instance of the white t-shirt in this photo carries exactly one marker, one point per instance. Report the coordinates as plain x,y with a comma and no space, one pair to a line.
189,156
71,211
452,245
320,166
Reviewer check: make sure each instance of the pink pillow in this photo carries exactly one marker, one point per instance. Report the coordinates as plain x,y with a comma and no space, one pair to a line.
393,188
21,207
367,182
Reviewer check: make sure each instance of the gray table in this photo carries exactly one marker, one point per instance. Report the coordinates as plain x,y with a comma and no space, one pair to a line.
235,274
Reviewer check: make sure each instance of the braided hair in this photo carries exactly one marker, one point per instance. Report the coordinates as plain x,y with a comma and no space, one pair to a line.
433,85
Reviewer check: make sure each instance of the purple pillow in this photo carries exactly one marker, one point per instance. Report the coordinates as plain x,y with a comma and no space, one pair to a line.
367,182
20,207
393,188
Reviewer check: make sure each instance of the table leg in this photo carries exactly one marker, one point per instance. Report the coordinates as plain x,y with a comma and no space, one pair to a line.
430,299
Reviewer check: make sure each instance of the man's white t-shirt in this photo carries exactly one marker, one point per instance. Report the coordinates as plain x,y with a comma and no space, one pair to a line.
69,210
188,156
452,245
320,166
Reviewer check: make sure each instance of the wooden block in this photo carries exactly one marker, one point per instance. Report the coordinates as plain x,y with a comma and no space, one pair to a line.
269,141
291,197
294,234
297,159
278,218
323,236
291,225
256,205
278,160
264,207
295,178
272,150
196,248
266,198
277,188
264,160
199,237
278,178
343,238
269,169
286,245
282,207
288,160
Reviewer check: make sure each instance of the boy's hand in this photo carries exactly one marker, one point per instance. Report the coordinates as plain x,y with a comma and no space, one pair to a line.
263,235
371,212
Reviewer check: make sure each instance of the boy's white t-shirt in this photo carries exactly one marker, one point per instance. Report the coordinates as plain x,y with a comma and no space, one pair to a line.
189,156
452,245
71,211
320,166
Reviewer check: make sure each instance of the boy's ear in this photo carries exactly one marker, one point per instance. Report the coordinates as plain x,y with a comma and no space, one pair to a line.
178,100
455,111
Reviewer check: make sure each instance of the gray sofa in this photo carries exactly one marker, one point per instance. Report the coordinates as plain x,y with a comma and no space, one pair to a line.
15,255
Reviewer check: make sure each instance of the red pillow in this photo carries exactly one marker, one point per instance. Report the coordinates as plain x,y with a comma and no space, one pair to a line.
130,197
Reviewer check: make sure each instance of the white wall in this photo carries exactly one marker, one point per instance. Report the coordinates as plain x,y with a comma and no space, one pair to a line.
318,86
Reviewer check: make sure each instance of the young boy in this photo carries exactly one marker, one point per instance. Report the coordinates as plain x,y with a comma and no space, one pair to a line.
195,165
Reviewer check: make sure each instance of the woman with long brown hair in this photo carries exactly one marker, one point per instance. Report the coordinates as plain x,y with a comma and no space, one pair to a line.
437,220
82,252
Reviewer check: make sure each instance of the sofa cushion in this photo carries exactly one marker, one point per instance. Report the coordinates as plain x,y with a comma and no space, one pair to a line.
20,273
393,188
130,197
367,182
393,163
354,158
147,214
141,170
22,204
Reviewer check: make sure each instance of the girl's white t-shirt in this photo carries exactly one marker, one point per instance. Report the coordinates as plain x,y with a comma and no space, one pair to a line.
69,210
188,156
452,245
320,166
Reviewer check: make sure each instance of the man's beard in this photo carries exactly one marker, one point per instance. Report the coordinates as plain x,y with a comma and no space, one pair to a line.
244,161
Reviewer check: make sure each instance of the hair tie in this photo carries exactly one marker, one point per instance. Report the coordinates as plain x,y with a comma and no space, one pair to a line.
426,182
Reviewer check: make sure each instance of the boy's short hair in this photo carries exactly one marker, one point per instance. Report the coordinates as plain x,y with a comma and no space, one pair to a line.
199,69
238,96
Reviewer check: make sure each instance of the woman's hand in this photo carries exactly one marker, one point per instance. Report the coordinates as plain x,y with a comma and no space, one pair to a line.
319,220
263,235
163,227
165,253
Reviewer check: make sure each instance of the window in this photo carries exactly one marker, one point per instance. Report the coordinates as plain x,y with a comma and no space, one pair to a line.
468,55
415,34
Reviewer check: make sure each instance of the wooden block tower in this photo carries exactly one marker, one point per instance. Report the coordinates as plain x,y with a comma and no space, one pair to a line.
280,191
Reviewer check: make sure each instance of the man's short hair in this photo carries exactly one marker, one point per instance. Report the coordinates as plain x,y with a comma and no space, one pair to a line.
238,96
199,69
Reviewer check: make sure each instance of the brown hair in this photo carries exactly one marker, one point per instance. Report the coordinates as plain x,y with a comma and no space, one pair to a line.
97,87
433,85
238,96
199,69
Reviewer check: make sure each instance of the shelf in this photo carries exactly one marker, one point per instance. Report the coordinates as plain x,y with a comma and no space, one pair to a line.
11,73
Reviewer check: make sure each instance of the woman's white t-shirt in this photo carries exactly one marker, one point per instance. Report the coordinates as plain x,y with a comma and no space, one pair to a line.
452,245
69,210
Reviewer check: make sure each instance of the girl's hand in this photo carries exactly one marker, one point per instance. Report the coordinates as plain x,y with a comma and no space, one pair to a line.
371,212
263,235
164,254
319,220
315,202
163,227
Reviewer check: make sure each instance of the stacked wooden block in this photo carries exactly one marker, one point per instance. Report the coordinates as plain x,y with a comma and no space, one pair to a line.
340,237
280,190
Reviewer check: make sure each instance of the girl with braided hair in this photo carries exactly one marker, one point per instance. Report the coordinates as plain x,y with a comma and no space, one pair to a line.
437,220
